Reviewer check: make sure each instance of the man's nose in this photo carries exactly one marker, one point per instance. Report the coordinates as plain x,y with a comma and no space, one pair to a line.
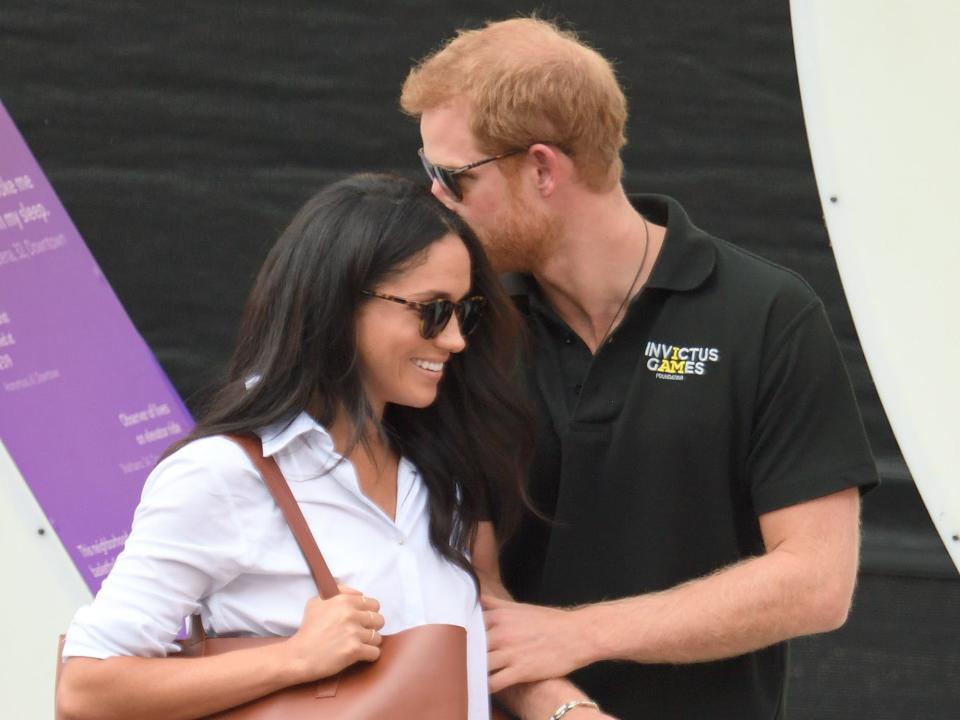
442,195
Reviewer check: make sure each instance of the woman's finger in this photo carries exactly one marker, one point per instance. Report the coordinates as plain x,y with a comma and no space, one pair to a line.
370,603
371,619
370,653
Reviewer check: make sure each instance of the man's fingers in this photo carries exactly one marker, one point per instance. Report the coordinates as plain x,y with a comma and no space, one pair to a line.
494,640
501,680
496,660
489,602
514,675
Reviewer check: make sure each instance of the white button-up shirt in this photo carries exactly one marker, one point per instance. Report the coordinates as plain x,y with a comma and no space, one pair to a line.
208,537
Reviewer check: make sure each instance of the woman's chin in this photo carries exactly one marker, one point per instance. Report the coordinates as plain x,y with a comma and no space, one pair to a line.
419,400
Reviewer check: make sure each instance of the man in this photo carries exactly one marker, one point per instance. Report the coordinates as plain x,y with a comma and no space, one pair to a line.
698,448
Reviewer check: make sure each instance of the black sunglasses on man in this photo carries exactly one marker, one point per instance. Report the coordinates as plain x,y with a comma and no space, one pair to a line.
447,177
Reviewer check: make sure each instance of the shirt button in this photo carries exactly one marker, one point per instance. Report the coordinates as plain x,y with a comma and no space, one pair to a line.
401,540
568,340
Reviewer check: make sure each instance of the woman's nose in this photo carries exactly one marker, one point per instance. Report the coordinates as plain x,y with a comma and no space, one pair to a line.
450,338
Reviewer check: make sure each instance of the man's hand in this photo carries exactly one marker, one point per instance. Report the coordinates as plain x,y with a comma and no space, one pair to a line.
526,643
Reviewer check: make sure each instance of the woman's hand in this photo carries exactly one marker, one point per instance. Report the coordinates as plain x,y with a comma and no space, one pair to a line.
335,634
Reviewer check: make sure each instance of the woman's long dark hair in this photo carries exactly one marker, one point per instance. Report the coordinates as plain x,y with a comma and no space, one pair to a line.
297,336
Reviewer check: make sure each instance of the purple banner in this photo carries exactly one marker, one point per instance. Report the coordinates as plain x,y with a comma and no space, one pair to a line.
85,410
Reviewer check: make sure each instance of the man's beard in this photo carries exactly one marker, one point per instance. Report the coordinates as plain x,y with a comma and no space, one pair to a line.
518,239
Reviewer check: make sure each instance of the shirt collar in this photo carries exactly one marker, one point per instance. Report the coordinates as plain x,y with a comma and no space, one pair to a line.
688,255
686,259
278,435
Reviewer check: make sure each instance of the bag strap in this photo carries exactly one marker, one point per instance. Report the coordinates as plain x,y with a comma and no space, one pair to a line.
278,487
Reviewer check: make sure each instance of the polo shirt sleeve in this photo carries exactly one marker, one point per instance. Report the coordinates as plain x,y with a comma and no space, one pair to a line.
808,438
187,541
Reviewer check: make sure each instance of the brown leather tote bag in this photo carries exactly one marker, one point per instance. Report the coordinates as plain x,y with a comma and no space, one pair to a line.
421,673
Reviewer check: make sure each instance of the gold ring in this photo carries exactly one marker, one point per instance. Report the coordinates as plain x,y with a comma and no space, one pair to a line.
373,634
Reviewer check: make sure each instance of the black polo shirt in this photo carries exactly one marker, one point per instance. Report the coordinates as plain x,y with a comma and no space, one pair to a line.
721,396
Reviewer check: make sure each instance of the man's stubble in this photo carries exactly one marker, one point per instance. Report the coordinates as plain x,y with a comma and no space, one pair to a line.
519,238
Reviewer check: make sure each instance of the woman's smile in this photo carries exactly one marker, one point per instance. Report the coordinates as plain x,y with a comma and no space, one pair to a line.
433,367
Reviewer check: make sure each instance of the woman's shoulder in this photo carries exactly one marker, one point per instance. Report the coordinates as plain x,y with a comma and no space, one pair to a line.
213,450
209,466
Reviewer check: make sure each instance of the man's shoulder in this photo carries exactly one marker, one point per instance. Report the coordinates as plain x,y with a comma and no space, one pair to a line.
693,258
752,274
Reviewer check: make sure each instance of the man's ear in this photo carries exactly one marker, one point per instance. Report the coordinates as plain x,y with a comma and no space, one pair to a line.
549,166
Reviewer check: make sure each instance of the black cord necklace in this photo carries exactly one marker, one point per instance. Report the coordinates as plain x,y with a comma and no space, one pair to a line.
626,298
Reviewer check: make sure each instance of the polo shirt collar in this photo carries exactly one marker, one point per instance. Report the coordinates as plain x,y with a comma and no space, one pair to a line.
278,435
688,255
686,259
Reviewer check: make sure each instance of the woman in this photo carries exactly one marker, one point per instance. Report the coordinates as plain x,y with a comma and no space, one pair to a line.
353,366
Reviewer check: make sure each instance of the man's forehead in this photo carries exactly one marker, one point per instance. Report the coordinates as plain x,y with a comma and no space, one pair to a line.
445,131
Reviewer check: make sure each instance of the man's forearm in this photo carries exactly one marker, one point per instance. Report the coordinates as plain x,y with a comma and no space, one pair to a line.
742,608
803,584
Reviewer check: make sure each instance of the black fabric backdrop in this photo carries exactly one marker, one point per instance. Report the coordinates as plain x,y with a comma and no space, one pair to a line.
182,136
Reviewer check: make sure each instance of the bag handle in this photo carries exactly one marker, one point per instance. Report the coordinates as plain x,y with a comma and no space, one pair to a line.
275,482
